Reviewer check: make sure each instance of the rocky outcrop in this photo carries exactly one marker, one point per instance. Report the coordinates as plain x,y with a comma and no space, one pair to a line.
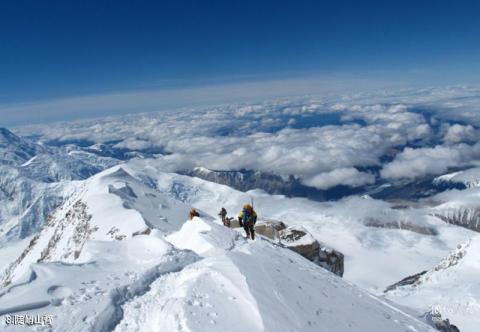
34,180
464,217
270,228
245,180
331,259
299,240
434,317
410,280
453,258
66,236
435,320
447,262
404,225
274,184
232,223
146,231
267,228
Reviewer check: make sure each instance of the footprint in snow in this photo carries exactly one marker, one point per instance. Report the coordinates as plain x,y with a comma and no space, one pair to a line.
59,291
58,294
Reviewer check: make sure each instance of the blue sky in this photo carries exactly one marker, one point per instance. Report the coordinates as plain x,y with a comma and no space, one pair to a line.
59,49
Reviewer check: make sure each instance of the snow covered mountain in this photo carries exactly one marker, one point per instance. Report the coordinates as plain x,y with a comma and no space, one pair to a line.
33,179
458,207
274,184
104,206
14,150
118,255
449,288
46,164
469,178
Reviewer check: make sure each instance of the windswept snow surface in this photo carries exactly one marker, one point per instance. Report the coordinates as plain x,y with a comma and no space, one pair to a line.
87,295
88,269
242,285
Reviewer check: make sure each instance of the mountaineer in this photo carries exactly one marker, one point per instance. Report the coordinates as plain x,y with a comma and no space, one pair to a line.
223,215
193,213
247,219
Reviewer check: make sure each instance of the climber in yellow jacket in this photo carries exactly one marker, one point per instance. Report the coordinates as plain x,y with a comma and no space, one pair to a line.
247,219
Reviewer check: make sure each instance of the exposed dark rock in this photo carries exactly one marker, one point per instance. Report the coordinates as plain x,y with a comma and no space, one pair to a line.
78,219
410,280
274,184
303,243
420,229
435,320
411,190
146,231
299,240
233,223
5,279
464,217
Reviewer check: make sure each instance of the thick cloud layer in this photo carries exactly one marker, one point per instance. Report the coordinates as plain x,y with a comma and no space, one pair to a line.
345,176
458,133
414,163
323,141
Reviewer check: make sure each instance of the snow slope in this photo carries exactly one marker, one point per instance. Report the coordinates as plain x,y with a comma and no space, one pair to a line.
88,295
112,205
366,231
450,288
254,286
95,266
470,177
34,181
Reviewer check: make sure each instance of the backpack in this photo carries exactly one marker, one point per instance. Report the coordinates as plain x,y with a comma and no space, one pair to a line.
248,218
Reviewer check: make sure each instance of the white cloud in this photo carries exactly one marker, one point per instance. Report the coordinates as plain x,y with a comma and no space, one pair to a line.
413,163
241,136
132,143
345,176
328,134
457,133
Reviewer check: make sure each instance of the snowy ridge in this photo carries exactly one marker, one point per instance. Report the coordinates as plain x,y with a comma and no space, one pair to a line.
256,286
448,288
34,181
470,178
110,206
460,208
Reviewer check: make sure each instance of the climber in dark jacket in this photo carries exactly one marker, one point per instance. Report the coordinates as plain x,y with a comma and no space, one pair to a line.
247,219
223,215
